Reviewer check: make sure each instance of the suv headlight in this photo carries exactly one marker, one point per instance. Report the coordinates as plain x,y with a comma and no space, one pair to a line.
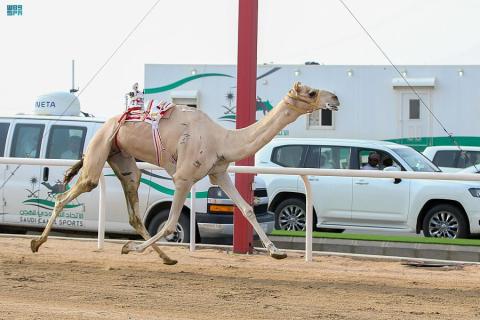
475,192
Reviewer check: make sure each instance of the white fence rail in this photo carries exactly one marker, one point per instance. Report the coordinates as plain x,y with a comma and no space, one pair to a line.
302,172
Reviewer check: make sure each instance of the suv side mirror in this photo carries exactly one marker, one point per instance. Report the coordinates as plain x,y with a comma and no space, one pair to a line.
393,169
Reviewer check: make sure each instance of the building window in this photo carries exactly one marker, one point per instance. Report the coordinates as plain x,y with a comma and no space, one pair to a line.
414,105
320,119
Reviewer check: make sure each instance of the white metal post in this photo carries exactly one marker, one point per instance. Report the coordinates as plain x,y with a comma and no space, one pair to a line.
101,211
309,218
193,215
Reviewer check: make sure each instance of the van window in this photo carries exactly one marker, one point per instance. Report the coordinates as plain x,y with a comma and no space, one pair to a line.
328,157
66,142
288,156
27,140
3,137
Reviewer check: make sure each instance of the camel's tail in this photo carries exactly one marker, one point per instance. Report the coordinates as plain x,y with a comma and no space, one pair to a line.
72,172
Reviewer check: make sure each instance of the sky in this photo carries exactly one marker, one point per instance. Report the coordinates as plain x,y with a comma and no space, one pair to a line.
37,48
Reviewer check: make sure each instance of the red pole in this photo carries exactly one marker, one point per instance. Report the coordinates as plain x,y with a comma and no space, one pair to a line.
246,97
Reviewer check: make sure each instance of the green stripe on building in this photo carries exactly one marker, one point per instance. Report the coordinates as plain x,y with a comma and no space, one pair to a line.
183,81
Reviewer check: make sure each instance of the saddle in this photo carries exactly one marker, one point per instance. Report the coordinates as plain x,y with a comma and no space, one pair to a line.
155,111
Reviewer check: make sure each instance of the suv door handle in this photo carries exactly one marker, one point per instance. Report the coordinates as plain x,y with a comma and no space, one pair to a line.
361,182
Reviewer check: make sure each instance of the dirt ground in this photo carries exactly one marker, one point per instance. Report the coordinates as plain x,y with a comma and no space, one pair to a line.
69,279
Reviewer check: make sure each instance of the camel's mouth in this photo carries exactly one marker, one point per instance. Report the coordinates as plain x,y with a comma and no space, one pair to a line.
332,107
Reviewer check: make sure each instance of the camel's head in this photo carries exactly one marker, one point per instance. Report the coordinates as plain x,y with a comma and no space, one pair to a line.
306,100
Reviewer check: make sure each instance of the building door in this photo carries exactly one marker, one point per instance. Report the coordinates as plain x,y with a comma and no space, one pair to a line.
415,119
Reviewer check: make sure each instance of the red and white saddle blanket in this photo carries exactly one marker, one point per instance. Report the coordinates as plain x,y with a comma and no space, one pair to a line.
156,111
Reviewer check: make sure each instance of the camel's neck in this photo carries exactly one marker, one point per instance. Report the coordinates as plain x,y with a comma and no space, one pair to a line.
245,142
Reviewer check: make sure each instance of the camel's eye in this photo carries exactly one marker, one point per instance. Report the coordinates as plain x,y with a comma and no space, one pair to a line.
312,94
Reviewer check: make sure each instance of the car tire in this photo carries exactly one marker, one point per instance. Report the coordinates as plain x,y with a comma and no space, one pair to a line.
182,235
445,221
290,215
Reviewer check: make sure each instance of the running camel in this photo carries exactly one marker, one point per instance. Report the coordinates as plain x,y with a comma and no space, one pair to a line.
192,147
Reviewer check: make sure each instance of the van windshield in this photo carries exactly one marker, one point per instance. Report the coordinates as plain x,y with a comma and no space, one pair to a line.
416,160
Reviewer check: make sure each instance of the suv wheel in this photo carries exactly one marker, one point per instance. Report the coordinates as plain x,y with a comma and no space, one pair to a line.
291,215
182,235
445,221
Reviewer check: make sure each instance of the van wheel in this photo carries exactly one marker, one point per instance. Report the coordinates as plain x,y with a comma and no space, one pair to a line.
291,215
445,221
182,235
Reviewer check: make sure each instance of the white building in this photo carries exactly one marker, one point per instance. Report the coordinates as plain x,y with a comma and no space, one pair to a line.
376,102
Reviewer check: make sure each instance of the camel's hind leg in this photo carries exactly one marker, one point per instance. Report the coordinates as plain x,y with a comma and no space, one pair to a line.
84,184
92,166
223,181
126,170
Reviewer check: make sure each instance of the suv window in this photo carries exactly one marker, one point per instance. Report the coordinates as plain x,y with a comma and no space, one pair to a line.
66,142
386,160
446,158
456,158
468,158
3,137
328,157
27,140
288,156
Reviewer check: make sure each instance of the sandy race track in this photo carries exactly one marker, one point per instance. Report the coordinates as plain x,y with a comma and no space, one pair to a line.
68,279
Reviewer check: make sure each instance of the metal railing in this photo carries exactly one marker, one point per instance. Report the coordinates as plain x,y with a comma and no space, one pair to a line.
302,172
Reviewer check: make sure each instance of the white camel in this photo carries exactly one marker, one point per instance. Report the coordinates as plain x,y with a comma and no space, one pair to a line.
193,146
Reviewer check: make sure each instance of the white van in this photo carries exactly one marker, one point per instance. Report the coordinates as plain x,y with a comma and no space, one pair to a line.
28,192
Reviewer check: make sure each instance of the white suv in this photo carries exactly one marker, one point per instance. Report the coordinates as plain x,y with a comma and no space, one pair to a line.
453,158
439,208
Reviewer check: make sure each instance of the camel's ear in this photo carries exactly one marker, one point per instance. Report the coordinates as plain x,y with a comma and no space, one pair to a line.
296,86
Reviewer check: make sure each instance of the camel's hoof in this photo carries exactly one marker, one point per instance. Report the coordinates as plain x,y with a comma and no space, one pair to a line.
275,253
169,262
34,245
129,246
278,255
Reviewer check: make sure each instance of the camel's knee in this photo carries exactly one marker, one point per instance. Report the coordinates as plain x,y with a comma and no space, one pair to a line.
169,228
134,221
89,184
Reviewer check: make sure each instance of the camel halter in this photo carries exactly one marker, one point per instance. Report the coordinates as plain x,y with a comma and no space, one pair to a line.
312,104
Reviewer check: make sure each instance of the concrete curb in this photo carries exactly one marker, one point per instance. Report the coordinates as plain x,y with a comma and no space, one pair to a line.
382,248
352,248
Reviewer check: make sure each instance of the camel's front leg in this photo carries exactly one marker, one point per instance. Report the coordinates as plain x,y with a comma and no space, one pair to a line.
182,187
223,181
